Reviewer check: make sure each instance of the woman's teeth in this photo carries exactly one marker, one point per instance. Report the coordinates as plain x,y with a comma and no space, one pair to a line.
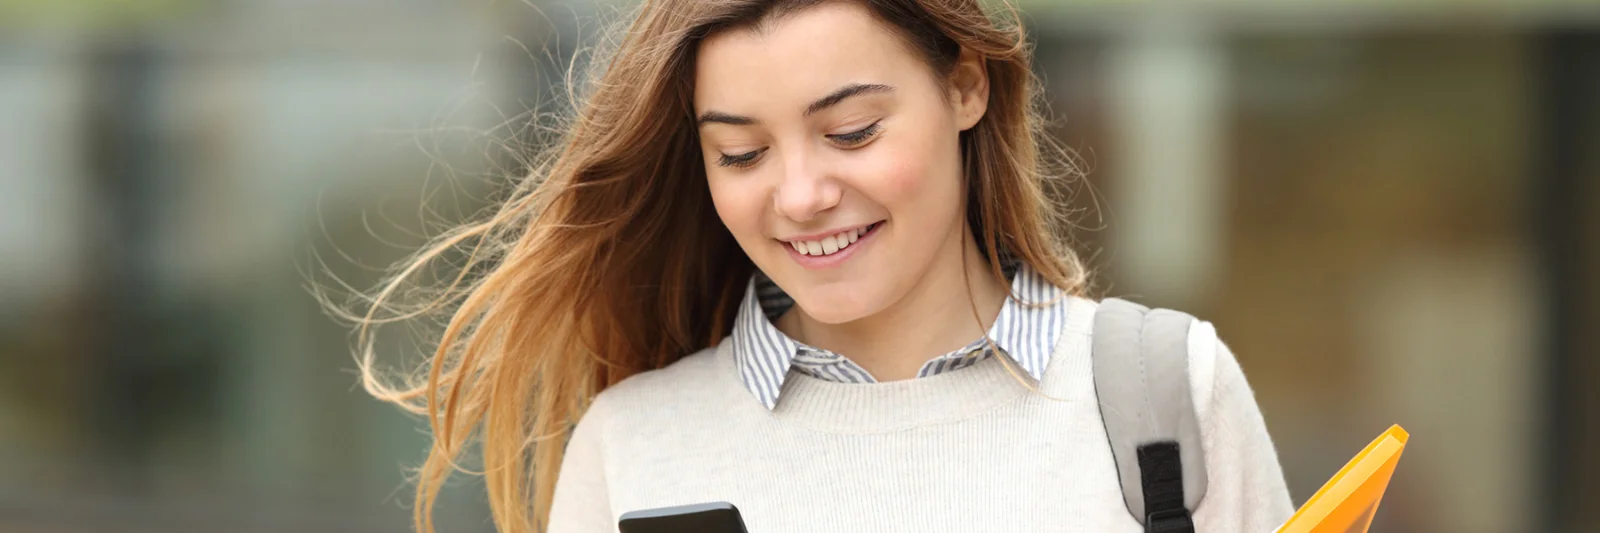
830,244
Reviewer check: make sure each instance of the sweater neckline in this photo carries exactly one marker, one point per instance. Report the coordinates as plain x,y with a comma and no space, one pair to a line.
899,405
947,397
886,407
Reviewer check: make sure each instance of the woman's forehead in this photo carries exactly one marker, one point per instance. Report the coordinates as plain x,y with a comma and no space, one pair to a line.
798,58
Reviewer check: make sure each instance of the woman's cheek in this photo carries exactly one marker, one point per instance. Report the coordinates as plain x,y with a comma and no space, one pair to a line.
901,174
738,207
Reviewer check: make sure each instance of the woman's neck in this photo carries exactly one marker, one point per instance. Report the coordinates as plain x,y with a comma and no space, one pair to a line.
934,318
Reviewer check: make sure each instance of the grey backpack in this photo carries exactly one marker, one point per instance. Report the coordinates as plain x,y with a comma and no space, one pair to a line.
1141,378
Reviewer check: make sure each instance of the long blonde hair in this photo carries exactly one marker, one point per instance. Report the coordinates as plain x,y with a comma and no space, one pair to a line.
608,259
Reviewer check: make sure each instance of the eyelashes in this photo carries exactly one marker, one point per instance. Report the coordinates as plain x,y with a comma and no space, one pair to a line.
741,160
856,137
845,140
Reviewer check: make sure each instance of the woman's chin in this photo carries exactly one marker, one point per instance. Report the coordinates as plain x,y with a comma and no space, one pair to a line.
831,310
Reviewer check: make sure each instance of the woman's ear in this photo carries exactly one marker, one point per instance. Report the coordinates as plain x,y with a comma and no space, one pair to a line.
969,89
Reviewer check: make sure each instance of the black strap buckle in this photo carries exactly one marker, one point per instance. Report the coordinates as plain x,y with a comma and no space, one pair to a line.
1161,473
1169,521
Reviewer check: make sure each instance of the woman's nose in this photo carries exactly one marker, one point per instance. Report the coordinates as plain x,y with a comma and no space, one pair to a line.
805,189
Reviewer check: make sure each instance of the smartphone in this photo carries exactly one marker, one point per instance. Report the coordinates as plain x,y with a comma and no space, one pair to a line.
715,517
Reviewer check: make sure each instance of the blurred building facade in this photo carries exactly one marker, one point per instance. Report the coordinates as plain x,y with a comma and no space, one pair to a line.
1388,208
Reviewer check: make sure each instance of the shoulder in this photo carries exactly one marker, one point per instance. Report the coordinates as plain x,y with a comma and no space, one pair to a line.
1215,377
696,383
623,426
1217,381
1244,487
688,377
1217,385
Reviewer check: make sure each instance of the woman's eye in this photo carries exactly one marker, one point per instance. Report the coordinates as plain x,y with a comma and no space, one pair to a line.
856,137
740,160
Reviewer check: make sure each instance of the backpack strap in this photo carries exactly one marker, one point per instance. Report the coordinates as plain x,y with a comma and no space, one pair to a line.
1141,377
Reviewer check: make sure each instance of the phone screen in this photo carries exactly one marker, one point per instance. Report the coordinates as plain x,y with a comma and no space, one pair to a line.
717,517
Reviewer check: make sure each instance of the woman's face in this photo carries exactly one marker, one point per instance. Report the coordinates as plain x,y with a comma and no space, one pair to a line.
832,155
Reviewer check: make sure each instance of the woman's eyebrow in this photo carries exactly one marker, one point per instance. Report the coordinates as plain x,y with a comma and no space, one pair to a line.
842,93
724,118
832,99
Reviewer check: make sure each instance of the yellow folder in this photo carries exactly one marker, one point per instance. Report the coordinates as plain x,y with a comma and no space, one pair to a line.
1346,503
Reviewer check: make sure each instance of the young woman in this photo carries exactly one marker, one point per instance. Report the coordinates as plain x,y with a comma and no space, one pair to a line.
800,255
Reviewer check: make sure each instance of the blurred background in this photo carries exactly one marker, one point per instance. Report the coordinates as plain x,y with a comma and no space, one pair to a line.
1391,210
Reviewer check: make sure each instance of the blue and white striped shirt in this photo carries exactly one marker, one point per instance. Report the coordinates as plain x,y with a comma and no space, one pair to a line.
1026,331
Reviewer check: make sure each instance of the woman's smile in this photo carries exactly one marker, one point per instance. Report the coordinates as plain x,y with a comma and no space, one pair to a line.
832,249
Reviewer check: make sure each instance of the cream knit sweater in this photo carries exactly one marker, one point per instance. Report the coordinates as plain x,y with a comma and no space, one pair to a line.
968,450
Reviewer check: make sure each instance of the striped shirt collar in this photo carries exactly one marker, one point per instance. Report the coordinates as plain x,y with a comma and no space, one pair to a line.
1025,331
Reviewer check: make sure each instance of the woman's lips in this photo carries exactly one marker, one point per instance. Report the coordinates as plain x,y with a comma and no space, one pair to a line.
838,255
